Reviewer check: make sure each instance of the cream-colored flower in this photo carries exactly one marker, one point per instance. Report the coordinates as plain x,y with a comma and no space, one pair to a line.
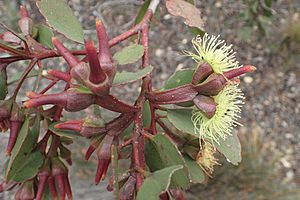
206,159
229,102
214,51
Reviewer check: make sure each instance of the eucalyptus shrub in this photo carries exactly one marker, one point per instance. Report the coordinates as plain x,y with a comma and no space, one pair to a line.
170,135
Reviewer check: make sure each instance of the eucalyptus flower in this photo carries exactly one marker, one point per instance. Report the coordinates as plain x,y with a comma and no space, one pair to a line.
215,52
206,159
229,102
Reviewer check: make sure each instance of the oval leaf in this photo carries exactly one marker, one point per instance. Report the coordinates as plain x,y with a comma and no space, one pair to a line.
181,119
22,149
179,78
191,15
160,153
29,168
129,54
196,173
44,36
61,17
127,77
156,183
230,148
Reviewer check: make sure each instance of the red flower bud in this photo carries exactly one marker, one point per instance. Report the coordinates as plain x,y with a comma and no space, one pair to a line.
23,12
97,75
16,120
112,103
26,25
212,85
206,105
202,72
104,154
70,100
60,75
11,38
68,56
42,180
105,57
86,128
52,187
127,191
60,173
26,191
239,71
180,94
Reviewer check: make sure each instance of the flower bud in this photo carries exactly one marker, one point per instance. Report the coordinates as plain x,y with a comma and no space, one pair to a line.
42,180
212,85
26,191
112,103
82,74
60,173
67,55
127,191
104,155
206,105
16,121
180,94
11,38
70,100
105,57
202,72
87,127
26,25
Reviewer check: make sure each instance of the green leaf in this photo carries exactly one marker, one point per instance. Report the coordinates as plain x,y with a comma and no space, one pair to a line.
3,83
44,36
21,151
61,17
179,78
196,173
142,12
129,54
16,76
160,153
146,114
156,183
127,77
29,168
181,119
65,133
230,148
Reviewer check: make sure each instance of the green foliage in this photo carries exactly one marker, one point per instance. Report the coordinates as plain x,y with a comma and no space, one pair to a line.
160,153
44,36
60,17
129,54
127,77
157,182
22,157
